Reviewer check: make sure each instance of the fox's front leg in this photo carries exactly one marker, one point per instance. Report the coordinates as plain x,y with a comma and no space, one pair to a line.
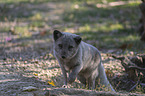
66,85
74,72
64,74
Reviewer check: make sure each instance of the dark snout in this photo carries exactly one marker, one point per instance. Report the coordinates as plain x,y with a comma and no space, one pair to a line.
63,57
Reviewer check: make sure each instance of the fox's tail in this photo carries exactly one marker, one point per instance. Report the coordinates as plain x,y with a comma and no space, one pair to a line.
103,78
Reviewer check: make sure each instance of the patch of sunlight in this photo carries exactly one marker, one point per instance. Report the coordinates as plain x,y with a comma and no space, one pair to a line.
12,1
37,16
129,38
115,26
85,28
8,80
76,6
108,39
37,24
22,31
70,30
118,3
100,27
71,16
108,28
103,28
134,3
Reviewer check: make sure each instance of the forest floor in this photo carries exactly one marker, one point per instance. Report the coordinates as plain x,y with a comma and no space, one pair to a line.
26,45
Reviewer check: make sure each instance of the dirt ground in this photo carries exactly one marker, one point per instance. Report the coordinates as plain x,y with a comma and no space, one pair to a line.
29,61
25,64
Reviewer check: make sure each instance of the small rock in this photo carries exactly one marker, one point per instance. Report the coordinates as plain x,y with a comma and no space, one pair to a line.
29,88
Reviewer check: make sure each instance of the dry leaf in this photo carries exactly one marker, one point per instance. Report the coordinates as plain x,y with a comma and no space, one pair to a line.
51,83
123,46
36,62
42,33
36,74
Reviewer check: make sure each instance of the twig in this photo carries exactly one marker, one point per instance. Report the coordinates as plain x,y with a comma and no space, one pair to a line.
136,67
134,86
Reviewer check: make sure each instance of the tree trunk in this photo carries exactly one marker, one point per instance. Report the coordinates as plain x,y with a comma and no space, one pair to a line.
142,20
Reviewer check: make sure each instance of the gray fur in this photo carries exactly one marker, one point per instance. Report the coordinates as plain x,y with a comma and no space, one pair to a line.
79,59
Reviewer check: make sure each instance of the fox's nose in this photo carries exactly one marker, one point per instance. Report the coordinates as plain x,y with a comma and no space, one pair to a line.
63,57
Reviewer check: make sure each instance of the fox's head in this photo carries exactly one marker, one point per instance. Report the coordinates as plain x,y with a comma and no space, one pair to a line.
66,45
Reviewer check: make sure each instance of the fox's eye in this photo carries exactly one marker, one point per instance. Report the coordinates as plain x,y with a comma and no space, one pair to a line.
70,47
60,46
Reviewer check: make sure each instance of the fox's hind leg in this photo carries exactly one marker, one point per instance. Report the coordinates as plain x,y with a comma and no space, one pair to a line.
82,79
91,83
92,79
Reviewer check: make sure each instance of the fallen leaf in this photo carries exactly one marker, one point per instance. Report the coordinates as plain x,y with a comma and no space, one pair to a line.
35,74
51,83
123,46
108,72
130,45
42,33
36,62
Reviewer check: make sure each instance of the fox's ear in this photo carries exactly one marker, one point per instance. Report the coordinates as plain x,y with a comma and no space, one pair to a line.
78,39
56,34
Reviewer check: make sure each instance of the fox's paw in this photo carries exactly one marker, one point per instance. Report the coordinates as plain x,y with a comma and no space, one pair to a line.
66,86
71,78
